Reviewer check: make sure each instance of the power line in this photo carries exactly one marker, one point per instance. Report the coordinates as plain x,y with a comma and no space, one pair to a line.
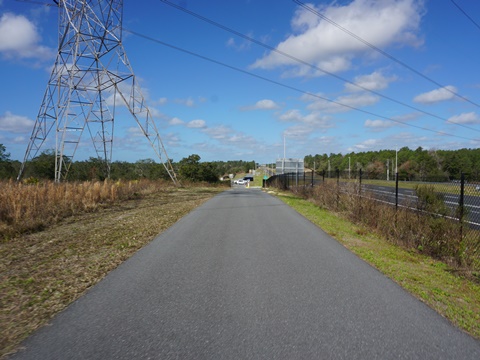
338,77
384,53
289,86
39,2
465,13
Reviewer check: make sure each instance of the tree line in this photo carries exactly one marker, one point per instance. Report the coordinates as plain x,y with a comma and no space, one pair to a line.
189,168
419,164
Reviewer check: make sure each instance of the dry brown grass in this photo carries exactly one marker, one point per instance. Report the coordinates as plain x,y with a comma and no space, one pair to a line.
31,207
41,273
436,236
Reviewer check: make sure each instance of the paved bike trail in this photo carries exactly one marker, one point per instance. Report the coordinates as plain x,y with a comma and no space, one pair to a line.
245,277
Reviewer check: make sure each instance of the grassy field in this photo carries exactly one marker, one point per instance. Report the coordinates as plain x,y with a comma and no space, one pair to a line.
43,272
453,296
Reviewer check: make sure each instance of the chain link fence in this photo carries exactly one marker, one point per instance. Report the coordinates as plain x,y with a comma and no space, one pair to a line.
434,214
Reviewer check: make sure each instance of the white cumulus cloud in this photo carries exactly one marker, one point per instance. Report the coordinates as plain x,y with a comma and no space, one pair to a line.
465,118
15,123
367,145
298,132
378,125
162,101
197,124
265,104
176,121
318,42
135,132
189,102
19,37
436,95
291,115
306,124
340,104
228,136
374,81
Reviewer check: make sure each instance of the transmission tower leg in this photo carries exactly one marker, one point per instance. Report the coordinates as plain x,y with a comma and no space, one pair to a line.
91,69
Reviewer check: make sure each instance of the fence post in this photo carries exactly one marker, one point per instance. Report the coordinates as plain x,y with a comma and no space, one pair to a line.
396,190
461,203
359,194
337,174
323,176
313,176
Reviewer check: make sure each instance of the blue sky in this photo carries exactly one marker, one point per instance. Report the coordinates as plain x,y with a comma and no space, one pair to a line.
245,113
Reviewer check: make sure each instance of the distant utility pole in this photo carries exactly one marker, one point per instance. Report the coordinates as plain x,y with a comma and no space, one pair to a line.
388,169
90,77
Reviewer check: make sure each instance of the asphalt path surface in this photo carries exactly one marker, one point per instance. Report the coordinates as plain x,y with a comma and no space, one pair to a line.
246,277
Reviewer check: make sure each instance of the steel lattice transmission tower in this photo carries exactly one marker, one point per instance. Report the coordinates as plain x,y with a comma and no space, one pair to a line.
90,77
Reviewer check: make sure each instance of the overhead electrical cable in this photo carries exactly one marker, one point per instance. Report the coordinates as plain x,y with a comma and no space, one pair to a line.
39,3
384,53
465,13
303,62
149,38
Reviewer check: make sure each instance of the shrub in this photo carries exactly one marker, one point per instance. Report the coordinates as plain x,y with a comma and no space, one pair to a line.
430,201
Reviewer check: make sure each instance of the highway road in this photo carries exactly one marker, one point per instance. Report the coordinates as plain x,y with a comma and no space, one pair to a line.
246,277
408,197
